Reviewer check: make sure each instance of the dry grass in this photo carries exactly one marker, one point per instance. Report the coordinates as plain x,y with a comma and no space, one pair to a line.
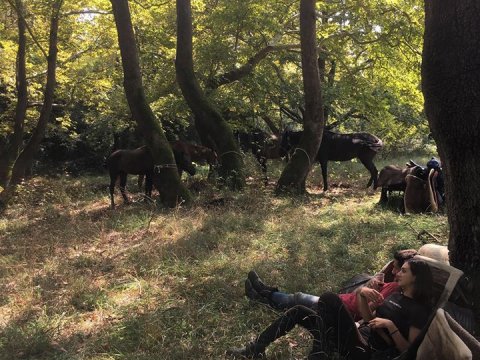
81,281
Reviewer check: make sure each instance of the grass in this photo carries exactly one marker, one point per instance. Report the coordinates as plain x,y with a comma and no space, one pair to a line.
81,281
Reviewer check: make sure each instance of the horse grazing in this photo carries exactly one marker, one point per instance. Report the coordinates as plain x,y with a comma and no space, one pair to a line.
140,162
262,145
198,154
340,147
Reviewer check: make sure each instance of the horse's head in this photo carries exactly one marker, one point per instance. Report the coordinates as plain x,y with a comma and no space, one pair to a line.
184,162
212,157
290,139
244,140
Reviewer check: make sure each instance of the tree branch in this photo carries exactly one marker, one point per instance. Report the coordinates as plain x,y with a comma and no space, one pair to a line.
246,69
290,114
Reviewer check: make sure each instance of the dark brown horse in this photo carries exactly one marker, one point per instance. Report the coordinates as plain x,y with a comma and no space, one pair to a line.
140,162
262,145
340,147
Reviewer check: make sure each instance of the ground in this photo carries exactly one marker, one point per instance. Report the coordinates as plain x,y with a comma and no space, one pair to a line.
82,281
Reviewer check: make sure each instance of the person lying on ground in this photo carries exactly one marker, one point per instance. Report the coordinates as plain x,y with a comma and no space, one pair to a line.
256,290
393,326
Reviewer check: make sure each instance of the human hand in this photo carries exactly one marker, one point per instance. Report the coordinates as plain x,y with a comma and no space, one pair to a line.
371,295
381,323
377,281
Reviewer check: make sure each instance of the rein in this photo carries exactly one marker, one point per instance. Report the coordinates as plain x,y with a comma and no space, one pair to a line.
157,168
232,152
305,152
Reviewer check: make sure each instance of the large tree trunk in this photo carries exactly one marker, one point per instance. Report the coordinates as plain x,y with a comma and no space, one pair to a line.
451,87
11,152
167,180
295,173
210,123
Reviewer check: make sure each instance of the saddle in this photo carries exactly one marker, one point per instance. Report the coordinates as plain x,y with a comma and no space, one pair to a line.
423,192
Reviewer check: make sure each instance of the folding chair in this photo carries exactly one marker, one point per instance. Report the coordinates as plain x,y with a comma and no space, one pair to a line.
445,278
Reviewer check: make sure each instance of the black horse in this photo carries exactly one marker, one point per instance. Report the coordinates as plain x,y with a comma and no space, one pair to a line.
140,162
262,145
339,147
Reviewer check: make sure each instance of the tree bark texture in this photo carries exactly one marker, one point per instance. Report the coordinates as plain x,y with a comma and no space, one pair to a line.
451,87
167,180
12,149
210,123
295,173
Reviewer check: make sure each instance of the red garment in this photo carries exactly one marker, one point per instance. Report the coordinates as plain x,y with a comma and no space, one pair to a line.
350,299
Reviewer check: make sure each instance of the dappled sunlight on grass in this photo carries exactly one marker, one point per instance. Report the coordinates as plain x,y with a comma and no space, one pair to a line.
83,281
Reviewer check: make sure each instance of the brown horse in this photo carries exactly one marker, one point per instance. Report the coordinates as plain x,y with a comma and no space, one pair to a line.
140,162
392,178
340,147
198,154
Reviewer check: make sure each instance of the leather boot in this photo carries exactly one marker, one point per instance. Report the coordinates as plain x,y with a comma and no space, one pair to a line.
252,350
259,285
253,295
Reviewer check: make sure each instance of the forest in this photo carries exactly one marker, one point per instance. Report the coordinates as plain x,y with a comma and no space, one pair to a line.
251,99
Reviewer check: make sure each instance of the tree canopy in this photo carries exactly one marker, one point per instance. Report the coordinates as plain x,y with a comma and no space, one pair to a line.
247,58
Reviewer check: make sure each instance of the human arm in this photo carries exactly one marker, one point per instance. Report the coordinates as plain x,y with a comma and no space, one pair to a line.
400,342
367,299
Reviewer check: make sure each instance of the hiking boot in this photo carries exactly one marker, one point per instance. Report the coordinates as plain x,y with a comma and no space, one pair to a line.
252,350
259,286
253,295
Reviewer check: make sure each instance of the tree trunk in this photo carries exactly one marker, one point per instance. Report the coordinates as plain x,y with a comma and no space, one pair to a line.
11,152
25,159
208,120
295,173
451,87
167,180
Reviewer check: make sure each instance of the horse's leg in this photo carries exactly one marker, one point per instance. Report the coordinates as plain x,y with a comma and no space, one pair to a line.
263,163
324,166
384,196
123,184
368,163
113,180
148,186
140,181
210,172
